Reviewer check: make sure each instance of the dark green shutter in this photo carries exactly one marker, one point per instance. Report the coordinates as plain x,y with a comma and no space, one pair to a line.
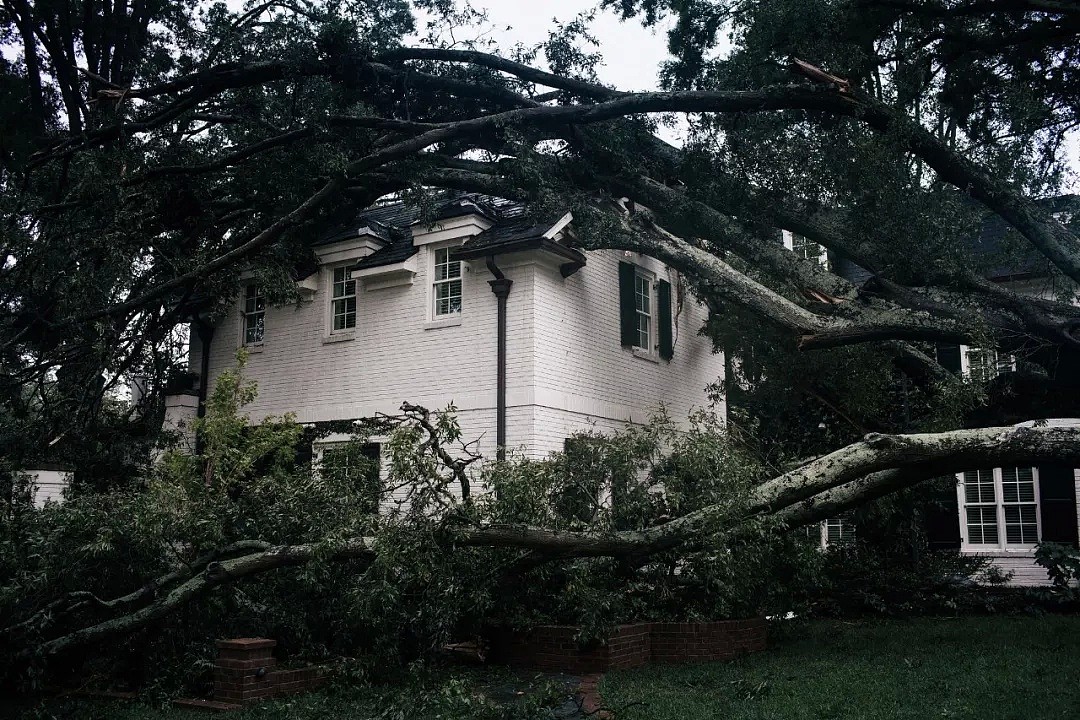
1057,504
941,516
627,307
663,308
948,356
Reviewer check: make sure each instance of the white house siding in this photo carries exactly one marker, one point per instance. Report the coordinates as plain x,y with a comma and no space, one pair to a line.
49,485
584,377
394,355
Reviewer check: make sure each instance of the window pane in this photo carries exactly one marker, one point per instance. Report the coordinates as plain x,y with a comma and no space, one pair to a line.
982,525
1021,526
253,328
1017,484
642,296
979,486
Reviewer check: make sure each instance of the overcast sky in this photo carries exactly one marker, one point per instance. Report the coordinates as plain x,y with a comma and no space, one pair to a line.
632,54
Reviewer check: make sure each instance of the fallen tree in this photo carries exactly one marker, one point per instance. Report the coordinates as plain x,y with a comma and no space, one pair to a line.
822,488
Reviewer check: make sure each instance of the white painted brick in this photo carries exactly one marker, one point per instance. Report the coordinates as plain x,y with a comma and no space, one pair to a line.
565,367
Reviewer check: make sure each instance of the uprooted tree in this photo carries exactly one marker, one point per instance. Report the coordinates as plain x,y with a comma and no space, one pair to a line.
152,152
244,511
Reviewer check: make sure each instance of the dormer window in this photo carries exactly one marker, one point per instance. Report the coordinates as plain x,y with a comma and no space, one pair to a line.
805,248
343,300
446,286
981,364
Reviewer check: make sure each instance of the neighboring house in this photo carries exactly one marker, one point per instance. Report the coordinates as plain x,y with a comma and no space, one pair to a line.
483,308
1000,513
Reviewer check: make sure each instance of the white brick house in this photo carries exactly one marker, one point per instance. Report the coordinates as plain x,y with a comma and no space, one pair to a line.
403,310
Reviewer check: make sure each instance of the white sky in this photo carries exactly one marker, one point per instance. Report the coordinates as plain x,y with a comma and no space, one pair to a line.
632,54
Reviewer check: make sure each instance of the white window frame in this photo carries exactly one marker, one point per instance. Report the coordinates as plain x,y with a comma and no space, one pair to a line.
651,348
843,524
789,243
245,314
999,503
434,318
965,362
332,283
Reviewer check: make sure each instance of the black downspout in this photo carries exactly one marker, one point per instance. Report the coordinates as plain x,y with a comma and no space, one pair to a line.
501,287
206,336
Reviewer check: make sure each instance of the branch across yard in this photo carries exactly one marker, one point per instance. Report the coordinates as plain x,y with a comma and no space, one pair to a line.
992,667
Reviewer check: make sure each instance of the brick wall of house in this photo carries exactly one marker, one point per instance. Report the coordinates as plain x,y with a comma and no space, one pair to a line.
553,647
566,369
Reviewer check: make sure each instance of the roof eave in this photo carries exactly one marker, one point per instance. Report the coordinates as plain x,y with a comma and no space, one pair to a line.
575,259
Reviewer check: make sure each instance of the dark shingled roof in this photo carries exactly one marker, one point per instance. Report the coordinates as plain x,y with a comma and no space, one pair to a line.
393,223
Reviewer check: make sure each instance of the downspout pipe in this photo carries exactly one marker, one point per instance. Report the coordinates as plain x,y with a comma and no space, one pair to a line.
501,287
206,336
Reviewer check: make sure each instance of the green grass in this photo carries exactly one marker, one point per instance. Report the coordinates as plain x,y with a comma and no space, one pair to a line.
452,694
980,668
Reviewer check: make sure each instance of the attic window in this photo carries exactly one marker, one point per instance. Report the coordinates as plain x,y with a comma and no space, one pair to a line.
806,249
982,365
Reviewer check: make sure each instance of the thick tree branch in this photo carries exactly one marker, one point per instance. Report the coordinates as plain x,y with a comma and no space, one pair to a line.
842,479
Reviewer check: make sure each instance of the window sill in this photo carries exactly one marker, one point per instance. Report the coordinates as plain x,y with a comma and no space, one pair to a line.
338,337
453,321
983,551
253,348
646,355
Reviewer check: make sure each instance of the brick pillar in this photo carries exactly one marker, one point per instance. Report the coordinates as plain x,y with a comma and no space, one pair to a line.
242,671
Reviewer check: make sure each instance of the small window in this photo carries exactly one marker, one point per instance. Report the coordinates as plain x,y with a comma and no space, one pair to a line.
643,304
836,532
982,365
1000,507
806,249
254,315
343,300
447,285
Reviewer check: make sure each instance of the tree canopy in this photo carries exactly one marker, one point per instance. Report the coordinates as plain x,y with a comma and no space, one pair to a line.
153,151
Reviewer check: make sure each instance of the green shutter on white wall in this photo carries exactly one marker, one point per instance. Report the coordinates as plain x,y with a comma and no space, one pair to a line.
663,309
627,308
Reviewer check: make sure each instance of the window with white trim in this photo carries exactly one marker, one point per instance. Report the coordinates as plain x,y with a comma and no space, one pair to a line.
999,508
343,300
805,248
836,532
254,315
643,305
982,365
446,286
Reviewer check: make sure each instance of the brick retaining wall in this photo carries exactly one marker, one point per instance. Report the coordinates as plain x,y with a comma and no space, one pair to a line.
553,647
244,672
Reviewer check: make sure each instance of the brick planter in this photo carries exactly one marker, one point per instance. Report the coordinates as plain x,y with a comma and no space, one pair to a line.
244,672
552,647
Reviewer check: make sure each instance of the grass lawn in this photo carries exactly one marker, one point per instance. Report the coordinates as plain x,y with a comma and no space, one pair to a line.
447,694
985,668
